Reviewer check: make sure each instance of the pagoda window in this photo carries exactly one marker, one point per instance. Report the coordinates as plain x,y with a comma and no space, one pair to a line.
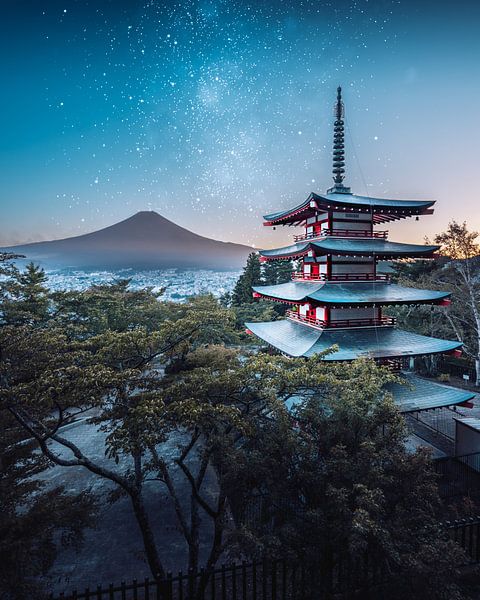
321,313
303,309
307,269
322,268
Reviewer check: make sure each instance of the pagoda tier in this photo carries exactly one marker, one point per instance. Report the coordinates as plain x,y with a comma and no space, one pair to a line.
367,247
338,293
380,210
414,394
348,294
297,339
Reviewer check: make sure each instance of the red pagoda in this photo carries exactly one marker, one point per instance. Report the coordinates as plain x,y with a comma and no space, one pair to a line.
338,294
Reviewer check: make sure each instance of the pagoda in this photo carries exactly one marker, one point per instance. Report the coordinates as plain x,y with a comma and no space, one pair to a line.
337,296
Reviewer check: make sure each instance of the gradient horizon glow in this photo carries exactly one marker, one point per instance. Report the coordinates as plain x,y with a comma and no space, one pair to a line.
216,112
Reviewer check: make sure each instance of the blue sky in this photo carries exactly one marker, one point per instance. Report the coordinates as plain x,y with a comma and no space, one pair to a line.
215,112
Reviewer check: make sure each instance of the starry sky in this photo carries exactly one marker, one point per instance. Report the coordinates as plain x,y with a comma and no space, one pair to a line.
214,112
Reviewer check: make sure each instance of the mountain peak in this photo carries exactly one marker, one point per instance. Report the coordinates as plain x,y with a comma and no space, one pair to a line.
144,239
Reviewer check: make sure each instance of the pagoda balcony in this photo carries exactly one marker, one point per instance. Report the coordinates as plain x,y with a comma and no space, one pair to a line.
341,277
341,323
346,233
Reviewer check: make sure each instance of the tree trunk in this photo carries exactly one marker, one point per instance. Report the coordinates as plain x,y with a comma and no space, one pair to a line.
153,558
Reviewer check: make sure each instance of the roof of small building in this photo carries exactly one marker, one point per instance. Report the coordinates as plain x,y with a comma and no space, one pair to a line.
351,247
415,393
472,422
354,293
418,393
341,201
297,339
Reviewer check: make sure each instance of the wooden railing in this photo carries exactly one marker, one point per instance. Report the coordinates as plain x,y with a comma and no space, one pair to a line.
341,323
341,277
355,233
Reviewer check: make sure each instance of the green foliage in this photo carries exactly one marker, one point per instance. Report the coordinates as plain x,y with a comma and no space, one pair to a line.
24,296
254,312
341,484
252,275
335,472
277,271
457,272
33,520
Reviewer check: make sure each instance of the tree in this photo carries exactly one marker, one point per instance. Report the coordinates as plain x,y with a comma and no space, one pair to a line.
252,275
24,296
462,274
339,485
32,517
456,271
277,271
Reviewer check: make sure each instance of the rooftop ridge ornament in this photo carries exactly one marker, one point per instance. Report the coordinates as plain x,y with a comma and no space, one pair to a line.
339,147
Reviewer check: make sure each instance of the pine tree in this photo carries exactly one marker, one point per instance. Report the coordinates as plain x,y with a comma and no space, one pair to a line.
25,296
276,272
252,275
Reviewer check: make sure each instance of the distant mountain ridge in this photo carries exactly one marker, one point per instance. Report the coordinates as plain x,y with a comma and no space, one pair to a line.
144,240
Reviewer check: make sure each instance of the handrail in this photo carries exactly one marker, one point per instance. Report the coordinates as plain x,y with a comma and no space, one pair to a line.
356,233
341,277
341,323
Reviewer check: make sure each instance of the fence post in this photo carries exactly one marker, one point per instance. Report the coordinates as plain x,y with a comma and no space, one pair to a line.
224,590
274,580
147,588
165,588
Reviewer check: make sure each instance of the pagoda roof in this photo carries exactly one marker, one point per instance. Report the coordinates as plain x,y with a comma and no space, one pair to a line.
417,393
296,339
351,247
383,209
345,294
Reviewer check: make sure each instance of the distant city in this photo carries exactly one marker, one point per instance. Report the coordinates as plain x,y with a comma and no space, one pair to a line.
180,284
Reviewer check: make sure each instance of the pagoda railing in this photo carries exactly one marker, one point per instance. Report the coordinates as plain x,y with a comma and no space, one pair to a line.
340,277
340,323
355,233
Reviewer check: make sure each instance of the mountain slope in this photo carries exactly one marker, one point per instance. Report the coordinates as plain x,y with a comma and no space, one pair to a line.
144,240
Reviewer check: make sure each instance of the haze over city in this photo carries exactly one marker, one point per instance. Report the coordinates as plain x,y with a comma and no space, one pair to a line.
213,113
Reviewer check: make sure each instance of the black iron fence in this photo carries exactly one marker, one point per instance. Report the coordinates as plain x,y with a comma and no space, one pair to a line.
466,532
262,580
273,580
459,476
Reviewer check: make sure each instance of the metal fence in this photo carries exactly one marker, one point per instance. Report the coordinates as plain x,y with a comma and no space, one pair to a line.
466,532
272,580
458,475
263,580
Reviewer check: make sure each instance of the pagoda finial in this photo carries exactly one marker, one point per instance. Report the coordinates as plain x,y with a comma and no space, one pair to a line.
339,146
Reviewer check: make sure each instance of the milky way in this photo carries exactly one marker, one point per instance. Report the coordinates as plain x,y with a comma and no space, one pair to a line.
209,112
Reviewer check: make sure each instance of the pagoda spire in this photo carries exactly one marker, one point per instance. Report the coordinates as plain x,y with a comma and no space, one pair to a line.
339,147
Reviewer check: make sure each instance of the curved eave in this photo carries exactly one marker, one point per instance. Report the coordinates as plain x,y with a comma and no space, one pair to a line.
298,340
349,294
416,393
291,292
384,209
350,247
